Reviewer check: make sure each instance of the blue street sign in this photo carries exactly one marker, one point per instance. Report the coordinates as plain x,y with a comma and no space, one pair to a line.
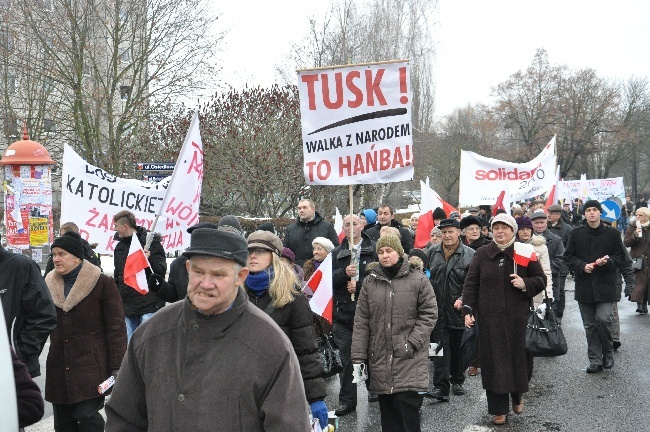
611,211
156,166
153,178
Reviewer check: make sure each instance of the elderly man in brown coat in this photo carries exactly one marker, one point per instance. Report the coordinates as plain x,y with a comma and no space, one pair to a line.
395,315
89,340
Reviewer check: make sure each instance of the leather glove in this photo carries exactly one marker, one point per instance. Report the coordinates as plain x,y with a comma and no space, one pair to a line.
155,282
319,411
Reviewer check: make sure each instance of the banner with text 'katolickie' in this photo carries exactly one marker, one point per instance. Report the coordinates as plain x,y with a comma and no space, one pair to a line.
356,123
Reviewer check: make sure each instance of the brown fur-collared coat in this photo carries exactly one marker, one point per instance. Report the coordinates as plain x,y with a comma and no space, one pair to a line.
89,339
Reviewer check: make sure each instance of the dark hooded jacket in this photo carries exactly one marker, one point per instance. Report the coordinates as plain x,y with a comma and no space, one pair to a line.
299,235
344,306
406,238
295,320
135,303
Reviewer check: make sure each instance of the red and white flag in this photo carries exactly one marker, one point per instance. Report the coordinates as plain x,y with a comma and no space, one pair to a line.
320,283
136,262
554,192
430,200
338,225
524,253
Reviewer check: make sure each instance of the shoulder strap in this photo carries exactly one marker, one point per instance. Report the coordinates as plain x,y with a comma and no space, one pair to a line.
270,308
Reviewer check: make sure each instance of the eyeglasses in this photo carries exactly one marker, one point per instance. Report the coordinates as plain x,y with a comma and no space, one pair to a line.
258,251
472,229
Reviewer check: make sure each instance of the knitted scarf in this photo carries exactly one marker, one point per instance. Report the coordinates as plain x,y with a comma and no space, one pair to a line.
505,246
449,251
260,282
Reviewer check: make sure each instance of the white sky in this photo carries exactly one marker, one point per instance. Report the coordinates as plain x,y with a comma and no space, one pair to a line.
479,43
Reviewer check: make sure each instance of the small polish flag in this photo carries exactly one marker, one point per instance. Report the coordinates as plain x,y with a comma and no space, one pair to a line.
136,262
321,284
338,225
524,253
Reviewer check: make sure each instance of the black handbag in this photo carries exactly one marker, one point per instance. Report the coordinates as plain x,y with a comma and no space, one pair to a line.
330,355
544,336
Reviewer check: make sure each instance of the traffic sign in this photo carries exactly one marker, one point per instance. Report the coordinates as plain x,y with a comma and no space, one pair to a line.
156,166
611,211
153,178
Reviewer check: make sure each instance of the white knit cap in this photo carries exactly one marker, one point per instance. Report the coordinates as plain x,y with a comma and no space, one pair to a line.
324,242
505,219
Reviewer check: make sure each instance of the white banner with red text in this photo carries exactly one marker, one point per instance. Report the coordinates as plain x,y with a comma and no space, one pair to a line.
356,124
91,196
598,189
482,179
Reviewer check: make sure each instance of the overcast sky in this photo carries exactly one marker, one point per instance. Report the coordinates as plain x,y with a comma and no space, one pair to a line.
478,43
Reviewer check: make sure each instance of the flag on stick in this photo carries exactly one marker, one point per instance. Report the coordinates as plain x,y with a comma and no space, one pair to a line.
524,253
136,262
430,200
320,283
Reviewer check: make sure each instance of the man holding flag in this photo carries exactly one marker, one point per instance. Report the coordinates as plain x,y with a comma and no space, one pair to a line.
347,277
131,272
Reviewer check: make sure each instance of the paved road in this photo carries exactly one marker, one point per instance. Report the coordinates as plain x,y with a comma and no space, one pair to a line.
562,396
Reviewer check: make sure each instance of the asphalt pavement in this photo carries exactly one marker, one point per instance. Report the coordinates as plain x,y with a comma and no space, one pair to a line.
562,396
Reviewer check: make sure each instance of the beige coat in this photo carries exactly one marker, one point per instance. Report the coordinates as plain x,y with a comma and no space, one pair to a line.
539,243
392,325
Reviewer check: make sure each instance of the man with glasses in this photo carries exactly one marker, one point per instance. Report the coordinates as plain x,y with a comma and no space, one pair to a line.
348,272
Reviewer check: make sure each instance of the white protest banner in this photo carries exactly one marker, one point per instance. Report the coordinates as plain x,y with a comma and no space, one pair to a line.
356,123
91,196
598,189
482,179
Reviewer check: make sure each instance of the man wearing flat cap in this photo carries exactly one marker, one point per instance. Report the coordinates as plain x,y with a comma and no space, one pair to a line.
213,361
448,264
595,252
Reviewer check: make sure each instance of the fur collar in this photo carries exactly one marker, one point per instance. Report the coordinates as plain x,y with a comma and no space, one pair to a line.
86,281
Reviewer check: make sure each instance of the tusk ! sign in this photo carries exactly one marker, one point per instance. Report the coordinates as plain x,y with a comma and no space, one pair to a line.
356,124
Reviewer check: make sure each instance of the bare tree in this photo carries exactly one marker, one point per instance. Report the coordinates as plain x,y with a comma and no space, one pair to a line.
107,65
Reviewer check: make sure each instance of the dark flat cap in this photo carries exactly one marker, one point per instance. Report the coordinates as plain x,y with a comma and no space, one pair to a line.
554,208
538,214
445,223
201,225
218,243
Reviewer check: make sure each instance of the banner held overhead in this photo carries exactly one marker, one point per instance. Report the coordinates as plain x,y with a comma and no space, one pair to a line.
356,123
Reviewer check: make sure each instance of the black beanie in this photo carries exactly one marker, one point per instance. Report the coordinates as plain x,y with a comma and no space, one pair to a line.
439,213
70,242
592,203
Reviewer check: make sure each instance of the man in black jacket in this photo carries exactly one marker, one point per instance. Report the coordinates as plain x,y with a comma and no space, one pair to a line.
346,280
386,217
27,307
309,225
137,307
448,264
595,252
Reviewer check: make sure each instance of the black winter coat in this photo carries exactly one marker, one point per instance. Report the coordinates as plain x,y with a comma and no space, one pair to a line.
135,303
299,235
585,246
344,307
501,312
89,255
295,320
175,288
30,401
555,248
447,279
405,235
562,230
481,241
27,306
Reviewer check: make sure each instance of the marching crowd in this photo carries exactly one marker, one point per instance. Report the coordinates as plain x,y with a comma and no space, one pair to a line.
228,340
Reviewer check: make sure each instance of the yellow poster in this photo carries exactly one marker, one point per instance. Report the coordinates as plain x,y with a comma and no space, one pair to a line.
38,231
